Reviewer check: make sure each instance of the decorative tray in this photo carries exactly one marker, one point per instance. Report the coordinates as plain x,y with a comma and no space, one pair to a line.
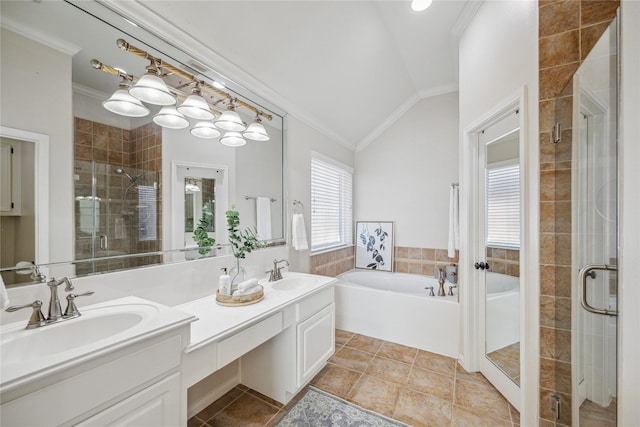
240,300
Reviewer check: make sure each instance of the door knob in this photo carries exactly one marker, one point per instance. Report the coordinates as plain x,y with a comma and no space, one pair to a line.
481,265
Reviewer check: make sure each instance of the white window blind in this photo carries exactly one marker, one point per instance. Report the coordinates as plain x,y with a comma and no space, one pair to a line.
503,205
331,204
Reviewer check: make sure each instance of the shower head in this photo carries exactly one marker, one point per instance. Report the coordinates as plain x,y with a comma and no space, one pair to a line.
121,171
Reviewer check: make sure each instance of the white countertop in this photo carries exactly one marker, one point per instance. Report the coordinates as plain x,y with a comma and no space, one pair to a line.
216,321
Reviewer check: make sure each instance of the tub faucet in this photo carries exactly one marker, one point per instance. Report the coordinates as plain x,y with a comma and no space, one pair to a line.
55,310
441,275
451,289
430,289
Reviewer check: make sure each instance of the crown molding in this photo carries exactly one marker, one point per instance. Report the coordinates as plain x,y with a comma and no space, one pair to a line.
89,92
45,39
465,17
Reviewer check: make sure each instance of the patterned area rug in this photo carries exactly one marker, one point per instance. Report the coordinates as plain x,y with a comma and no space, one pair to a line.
317,408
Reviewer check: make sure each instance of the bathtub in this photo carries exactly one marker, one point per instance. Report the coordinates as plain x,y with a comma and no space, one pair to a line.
502,310
395,307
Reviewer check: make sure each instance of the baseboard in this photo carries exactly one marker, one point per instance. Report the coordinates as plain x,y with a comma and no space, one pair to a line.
213,394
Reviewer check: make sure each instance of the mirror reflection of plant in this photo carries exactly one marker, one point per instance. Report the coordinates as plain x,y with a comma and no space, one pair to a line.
201,236
242,242
374,244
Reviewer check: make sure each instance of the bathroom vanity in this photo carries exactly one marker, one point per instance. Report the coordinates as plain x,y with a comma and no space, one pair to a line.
130,361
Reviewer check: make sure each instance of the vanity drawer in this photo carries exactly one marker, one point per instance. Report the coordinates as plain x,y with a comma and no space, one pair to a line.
314,303
231,348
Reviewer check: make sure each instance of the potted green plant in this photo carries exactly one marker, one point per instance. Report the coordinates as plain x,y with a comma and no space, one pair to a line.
201,236
242,242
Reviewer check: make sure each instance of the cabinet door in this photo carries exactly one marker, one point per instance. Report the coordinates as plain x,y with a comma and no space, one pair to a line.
155,406
316,343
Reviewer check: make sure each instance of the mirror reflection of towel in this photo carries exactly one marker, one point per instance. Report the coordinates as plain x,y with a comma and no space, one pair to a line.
263,218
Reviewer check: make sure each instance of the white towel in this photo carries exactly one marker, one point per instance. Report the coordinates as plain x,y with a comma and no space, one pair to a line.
299,233
454,223
4,296
243,286
247,291
263,217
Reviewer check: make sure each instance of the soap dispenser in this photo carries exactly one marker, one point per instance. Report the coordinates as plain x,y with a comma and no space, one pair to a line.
224,284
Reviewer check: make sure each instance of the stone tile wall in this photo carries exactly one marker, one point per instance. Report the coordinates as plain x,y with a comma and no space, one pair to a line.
504,261
333,263
568,30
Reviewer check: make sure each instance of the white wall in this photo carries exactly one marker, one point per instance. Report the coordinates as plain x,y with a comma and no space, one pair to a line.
498,56
32,70
300,141
406,173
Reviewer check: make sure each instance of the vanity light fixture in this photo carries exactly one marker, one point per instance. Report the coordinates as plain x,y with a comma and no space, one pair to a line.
152,89
230,120
121,102
195,106
256,131
170,118
233,139
205,130
420,5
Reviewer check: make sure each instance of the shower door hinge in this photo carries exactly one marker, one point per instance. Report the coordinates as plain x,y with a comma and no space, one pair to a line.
555,405
556,136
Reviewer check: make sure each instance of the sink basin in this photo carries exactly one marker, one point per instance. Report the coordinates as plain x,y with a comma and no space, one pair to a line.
294,282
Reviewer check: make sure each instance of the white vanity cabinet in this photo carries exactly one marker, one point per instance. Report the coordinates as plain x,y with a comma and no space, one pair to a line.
280,367
136,385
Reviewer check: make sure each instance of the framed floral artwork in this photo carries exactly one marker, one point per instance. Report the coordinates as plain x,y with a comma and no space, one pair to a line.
374,245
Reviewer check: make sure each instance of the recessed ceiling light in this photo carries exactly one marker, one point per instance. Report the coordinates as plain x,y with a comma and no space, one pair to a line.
420,5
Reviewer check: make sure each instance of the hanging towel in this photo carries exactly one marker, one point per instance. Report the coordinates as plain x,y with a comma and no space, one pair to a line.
4,296
263,217
454,225
299,232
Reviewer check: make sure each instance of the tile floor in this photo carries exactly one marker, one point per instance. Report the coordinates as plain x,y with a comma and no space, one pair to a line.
593,415
410,385
508,359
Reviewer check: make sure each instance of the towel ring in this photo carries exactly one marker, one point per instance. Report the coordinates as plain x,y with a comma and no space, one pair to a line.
298,207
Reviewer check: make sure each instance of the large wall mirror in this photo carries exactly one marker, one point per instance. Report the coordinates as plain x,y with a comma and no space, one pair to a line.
122,191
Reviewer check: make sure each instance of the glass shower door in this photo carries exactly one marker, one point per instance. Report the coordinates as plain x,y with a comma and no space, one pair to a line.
596,234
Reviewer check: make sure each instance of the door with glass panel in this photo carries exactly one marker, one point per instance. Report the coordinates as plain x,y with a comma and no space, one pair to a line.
595,237
498,264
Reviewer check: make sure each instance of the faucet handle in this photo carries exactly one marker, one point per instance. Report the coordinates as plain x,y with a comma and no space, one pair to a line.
72,308
430,289
37,318
451,289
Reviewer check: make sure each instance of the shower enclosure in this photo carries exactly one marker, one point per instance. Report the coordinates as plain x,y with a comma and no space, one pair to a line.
116,215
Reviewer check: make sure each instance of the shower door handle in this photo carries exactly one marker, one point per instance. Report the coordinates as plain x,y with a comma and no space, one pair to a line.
585,272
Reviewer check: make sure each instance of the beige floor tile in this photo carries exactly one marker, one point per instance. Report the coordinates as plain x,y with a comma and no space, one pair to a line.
195,422
398,352
389,370
342,337
463,374
219,404
351,358
246,411
435,362
422,410
432,383
375,394
364,343
515,415
481,399
266,399
336,380
463,417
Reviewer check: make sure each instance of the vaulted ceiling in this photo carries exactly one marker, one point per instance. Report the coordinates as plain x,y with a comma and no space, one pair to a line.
348,68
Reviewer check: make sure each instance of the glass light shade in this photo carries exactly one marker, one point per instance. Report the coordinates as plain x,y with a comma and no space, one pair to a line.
233,139
420,5
231,121
196,107
126,105
256,132
169,117
205,130
152,90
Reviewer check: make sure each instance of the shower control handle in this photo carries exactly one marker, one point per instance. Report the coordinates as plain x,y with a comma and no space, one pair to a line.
481,265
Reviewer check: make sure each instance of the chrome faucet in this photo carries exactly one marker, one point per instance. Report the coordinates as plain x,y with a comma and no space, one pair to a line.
276,273
55,310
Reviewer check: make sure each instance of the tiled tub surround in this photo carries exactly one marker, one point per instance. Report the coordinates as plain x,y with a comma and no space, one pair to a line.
409,385
568,30
406,260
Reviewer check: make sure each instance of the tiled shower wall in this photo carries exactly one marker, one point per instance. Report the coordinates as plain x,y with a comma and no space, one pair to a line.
568,30
406,260
504,261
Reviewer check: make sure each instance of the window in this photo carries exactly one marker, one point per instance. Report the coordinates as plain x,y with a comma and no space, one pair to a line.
503,204
331,203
